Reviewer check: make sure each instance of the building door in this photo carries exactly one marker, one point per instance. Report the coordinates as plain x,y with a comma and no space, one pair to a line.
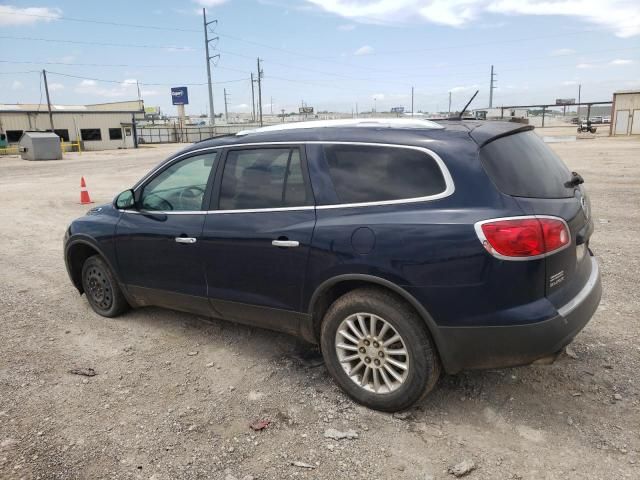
635,123
622,122
127,130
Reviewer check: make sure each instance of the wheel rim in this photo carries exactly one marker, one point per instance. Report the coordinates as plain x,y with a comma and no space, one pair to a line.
99,288
372,353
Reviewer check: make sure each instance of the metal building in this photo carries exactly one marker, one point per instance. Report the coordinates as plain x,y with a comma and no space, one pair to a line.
100,126
625,115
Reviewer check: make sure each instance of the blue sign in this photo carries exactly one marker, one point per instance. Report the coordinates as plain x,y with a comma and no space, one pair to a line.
179,96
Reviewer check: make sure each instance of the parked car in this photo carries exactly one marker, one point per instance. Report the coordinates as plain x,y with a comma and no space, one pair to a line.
403,247
597,119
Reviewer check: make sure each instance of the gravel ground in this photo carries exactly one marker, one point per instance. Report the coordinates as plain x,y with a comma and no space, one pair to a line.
174,394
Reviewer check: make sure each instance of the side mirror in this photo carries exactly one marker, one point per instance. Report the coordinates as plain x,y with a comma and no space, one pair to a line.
125,200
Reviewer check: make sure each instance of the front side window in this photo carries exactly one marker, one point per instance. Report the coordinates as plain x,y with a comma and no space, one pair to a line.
179,187
263,178
368,173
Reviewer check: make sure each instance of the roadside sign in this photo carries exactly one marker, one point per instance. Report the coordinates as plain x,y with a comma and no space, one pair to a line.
305,109
179,96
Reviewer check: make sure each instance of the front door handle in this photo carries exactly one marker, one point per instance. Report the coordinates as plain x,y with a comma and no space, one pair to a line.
285,243
185,240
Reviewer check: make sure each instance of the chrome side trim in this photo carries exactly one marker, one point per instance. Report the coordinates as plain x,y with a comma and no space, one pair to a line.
211,212
575,302
259,210
483,239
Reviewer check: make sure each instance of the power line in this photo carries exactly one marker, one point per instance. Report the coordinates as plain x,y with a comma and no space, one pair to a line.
144,83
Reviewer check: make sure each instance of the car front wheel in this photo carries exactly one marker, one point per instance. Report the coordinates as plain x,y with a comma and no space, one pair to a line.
379,350
102,289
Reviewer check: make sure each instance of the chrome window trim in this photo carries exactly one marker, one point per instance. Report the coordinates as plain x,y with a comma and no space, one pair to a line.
449,185
478,228
575,302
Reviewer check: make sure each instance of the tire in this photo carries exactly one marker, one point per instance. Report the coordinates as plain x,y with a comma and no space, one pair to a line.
421,359
101,288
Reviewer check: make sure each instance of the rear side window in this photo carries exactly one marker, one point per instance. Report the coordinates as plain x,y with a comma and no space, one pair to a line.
263,178
368,173
522,165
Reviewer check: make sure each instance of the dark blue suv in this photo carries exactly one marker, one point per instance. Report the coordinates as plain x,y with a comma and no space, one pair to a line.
401,247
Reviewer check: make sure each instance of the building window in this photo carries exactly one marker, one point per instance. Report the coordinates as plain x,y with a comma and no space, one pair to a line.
115,134
13,136
63,134
90,134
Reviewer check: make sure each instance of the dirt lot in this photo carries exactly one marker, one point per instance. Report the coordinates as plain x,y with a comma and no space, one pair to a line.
174,393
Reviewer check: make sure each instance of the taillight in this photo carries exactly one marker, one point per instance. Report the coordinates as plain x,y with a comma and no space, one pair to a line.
522,237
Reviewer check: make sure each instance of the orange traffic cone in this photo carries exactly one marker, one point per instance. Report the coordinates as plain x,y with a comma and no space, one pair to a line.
84,194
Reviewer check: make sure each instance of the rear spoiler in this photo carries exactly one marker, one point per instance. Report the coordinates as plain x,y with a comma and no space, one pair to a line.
489,131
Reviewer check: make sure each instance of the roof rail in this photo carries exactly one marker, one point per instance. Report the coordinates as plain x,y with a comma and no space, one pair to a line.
407,123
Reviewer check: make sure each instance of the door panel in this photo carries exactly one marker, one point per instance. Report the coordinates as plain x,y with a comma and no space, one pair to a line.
158,246
264,196
635,125
622,122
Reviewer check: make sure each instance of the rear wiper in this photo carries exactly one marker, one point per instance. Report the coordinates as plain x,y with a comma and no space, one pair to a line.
576,179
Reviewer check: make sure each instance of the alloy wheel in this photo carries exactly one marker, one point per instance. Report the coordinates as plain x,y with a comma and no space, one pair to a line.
372,353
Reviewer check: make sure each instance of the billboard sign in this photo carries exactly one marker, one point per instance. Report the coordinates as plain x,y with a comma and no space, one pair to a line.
397,110
565,101
179,96
305,109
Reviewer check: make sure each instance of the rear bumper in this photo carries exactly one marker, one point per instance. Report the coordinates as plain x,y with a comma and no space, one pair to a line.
463,348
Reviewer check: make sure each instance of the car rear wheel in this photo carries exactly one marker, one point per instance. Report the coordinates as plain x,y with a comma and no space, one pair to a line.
102,289
379,350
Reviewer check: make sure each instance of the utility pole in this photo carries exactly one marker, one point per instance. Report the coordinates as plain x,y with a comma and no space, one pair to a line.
412,101
579,92
491,88
449,104
356,109
207,40
271,105
253,100
46,89
259,91
226,112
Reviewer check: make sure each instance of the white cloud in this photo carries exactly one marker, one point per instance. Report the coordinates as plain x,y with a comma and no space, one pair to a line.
378,96
584,65
56,86
179,49
347,27
569,83
12,16
210,3
621,61
463,88
16,85
562,51
364,50
242,106
126,89
619,16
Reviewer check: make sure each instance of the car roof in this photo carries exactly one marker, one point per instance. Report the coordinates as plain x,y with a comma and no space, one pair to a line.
392,131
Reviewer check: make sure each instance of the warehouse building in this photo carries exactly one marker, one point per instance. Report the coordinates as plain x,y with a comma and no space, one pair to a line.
101,126
625,117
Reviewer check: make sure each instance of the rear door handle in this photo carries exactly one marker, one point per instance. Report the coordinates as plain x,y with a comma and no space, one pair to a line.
185,240
285,243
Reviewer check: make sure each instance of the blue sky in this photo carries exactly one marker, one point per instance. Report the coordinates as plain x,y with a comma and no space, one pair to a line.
331,54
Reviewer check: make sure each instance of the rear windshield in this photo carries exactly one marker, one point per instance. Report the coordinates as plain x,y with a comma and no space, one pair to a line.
522,165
